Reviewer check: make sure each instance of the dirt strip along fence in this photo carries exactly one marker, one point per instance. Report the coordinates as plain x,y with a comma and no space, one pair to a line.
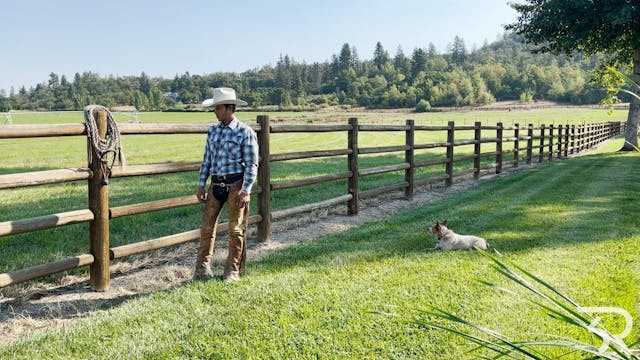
514,145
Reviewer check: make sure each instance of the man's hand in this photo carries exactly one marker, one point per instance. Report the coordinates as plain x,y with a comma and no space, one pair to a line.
202,195
242,199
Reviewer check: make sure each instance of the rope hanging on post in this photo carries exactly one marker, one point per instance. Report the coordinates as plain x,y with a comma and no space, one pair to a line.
103,147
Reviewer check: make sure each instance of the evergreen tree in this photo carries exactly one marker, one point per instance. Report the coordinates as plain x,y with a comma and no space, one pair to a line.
458,51
380,56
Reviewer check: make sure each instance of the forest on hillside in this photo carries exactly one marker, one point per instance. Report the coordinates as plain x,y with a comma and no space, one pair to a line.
502,70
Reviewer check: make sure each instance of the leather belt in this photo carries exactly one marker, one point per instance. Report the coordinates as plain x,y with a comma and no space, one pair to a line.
225,180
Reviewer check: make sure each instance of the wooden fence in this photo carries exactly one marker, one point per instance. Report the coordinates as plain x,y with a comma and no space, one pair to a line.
514,145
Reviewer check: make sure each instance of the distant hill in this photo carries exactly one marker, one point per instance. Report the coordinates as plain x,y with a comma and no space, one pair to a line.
504,70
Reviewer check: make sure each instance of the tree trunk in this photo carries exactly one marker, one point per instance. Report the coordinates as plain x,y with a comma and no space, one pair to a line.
631,136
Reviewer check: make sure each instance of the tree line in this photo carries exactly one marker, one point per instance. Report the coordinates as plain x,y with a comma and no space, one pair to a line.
505,69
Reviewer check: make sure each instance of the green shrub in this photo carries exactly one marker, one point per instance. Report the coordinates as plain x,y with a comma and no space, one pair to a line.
423,106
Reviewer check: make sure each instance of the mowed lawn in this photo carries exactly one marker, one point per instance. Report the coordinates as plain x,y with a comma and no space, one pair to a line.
31,154
574,223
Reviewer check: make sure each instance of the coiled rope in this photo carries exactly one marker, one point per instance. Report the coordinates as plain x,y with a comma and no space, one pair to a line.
102,148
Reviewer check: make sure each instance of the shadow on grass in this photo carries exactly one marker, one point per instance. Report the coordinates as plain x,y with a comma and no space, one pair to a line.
586,199
582,200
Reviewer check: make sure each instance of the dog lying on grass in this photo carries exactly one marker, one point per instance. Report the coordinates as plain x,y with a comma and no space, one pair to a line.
446,239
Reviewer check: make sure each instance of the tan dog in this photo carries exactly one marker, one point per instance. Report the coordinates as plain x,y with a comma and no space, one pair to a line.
449,240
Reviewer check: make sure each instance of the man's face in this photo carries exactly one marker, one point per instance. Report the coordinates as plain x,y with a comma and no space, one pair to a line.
223,113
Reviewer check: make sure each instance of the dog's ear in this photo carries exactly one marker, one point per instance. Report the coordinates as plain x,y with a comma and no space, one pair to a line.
445,223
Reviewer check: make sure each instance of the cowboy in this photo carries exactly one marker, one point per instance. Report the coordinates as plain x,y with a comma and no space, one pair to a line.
231,161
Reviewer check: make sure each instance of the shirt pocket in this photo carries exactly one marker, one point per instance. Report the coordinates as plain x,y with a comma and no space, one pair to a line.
233,149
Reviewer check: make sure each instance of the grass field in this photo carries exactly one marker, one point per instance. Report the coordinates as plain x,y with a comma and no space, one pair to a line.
574,223
559,115
19,155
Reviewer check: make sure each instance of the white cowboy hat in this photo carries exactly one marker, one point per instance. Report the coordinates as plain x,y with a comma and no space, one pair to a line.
223,96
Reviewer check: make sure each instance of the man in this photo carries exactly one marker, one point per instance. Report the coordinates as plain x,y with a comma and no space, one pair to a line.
231,161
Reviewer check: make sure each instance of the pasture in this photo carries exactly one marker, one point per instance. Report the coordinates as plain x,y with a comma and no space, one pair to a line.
19,155
571,222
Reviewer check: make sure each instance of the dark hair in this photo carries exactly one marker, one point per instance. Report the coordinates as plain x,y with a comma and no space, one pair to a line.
232,106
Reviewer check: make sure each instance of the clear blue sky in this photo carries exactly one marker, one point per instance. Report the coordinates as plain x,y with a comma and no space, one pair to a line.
165,38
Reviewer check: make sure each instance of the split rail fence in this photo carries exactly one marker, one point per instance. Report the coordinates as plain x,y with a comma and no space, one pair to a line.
514,145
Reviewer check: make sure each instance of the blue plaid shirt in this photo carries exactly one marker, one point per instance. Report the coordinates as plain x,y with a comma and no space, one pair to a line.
230,150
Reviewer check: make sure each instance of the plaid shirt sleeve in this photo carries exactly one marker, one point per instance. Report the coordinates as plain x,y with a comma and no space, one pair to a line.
206,161
250,159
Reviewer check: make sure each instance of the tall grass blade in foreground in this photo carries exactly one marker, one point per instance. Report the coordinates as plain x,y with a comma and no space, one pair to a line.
554,303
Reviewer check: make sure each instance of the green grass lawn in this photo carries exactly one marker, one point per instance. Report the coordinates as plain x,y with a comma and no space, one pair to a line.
574,223
22,155
571,115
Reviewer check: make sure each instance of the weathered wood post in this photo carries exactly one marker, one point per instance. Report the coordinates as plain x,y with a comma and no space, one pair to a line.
585,137
477,137
600,133
529,143
409,158
566,141
99,206
559,146
541,144
551,142
580,138
264,179
516,145
573,139
449,164
499,136
352,159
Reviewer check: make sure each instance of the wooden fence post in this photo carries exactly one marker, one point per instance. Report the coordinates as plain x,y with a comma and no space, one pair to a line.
551,142
585,136
573,139
449,164
499,148
541,144
352,158
516,145
409,158
264,179
566,141
477,137
99,205
559,146
529,143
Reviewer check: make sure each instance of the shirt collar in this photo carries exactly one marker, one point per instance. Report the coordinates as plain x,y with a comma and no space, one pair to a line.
232,125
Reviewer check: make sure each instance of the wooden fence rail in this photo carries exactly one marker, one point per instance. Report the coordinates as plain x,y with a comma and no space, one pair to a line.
513,145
